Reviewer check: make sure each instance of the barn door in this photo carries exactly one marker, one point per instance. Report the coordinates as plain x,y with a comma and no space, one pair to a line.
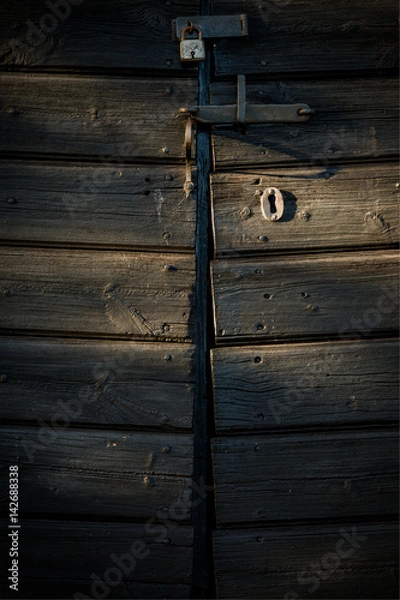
97,302
305,307
106,338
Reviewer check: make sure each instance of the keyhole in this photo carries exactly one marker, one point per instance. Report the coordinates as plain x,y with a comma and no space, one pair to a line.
272,205
193,53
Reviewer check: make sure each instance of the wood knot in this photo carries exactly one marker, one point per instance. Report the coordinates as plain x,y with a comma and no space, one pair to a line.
245,213
304,214
376,222
313,308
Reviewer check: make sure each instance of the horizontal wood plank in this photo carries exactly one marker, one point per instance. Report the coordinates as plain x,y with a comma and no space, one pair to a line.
94,472
346,295
71,587
123,118
355,119
139,295
107,204
340,206
298,36
302,385
103,383
306,476
91,34
348,561
58,560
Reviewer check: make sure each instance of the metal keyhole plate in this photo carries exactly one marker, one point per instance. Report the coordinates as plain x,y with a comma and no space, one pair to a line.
272,205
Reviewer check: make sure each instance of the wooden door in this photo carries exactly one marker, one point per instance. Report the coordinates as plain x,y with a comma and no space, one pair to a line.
97,299
305,308
123,361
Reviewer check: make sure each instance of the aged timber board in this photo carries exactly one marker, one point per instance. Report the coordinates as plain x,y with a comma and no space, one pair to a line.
97,382
107,204
305,476
262,388
300,36
340,206
125,294
356,118
71,552
91,34
346,295
117,473
127,118
310,561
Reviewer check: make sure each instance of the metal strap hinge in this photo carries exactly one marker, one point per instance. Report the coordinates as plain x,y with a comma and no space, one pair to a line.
243,113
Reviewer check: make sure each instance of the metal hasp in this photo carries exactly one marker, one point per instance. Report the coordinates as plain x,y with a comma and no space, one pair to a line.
243,113
223,26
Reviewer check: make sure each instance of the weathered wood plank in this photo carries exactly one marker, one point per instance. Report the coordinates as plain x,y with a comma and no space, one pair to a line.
356,119
37,589
348,561
91,34
58,560
298,36
308,476
140,295
126,118
346,295
106,383
296,385
97,472
111,204
341,206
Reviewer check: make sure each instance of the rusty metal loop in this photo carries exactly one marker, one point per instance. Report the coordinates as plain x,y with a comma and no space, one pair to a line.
189,29
188,139
188,187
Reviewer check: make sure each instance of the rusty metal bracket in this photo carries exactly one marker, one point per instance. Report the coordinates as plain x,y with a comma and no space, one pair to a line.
218,26
243,113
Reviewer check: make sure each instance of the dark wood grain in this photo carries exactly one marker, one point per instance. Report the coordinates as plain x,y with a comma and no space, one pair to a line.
96,472
107,204
307,476
340,206
298,36
59,559
346,295
124,118
139,295
304,562
297,385
356,119
95,34
106,383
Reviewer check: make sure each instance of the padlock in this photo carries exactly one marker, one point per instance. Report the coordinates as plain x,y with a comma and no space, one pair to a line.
192,50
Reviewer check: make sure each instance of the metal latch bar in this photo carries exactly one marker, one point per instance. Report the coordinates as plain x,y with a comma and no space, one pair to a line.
243,113
254,113
217,26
